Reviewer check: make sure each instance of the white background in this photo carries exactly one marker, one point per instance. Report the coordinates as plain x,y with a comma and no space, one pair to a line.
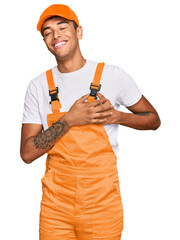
143,38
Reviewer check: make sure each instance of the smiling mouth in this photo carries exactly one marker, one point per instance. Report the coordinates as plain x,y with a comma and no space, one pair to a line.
60,44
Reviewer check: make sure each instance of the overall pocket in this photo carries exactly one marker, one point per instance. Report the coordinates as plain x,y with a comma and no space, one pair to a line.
107,209
114,181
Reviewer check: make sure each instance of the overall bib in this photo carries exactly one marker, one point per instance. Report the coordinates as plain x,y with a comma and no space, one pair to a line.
81,197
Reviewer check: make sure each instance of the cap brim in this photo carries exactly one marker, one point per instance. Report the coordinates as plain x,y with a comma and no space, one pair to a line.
40,23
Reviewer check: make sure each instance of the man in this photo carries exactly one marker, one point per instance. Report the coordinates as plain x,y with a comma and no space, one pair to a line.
81,194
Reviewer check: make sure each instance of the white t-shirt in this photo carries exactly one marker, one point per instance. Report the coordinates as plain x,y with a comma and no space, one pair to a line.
116,85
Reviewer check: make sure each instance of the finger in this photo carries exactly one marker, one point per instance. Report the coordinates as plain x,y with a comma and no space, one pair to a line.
83,98
99,121
100,95
100,101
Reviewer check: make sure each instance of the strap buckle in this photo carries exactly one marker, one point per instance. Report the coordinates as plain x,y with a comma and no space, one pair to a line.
54,94
94,90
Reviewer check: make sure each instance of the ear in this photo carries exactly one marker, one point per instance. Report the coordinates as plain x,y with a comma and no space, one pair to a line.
79,32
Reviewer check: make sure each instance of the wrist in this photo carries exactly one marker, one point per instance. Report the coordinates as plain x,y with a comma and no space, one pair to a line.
118,115
68,119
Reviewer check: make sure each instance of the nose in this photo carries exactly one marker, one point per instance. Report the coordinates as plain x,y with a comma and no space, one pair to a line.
56,34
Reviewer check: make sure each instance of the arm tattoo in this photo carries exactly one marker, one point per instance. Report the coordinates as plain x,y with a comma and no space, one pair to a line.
48,137
143,113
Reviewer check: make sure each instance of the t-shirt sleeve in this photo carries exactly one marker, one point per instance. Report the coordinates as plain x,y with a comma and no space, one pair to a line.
128,92
31,107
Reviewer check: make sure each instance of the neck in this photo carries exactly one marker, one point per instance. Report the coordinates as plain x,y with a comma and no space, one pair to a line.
71,64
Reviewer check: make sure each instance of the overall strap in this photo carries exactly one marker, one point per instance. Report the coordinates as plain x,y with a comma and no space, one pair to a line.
53,92
95,85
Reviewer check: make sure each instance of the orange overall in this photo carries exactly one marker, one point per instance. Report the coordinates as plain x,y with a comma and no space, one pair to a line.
81,197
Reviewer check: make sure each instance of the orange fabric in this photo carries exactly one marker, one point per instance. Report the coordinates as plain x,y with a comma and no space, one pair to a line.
98,73
59,10
81,192
97,78
55,104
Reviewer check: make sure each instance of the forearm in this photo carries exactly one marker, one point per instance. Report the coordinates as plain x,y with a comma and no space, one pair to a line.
36,146
140,121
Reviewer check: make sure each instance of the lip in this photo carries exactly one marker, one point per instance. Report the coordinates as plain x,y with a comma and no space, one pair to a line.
60,45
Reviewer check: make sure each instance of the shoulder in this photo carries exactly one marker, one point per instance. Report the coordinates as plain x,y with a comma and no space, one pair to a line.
116,70
107,65
39,82
113,71
121,76
112,68
108,68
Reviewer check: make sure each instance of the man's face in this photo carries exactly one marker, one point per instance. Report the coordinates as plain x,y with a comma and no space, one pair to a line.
60,37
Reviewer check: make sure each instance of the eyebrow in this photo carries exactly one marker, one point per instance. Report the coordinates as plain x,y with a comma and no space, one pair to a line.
57,24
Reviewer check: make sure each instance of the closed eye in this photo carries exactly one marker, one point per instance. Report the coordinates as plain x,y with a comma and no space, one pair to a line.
47,34
50,32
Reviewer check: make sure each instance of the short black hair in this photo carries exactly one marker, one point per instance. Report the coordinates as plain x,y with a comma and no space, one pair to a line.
74,23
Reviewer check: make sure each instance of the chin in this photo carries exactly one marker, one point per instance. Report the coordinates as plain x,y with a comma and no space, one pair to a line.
61,57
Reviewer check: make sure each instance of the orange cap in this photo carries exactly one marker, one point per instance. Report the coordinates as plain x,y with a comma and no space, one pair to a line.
57,9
